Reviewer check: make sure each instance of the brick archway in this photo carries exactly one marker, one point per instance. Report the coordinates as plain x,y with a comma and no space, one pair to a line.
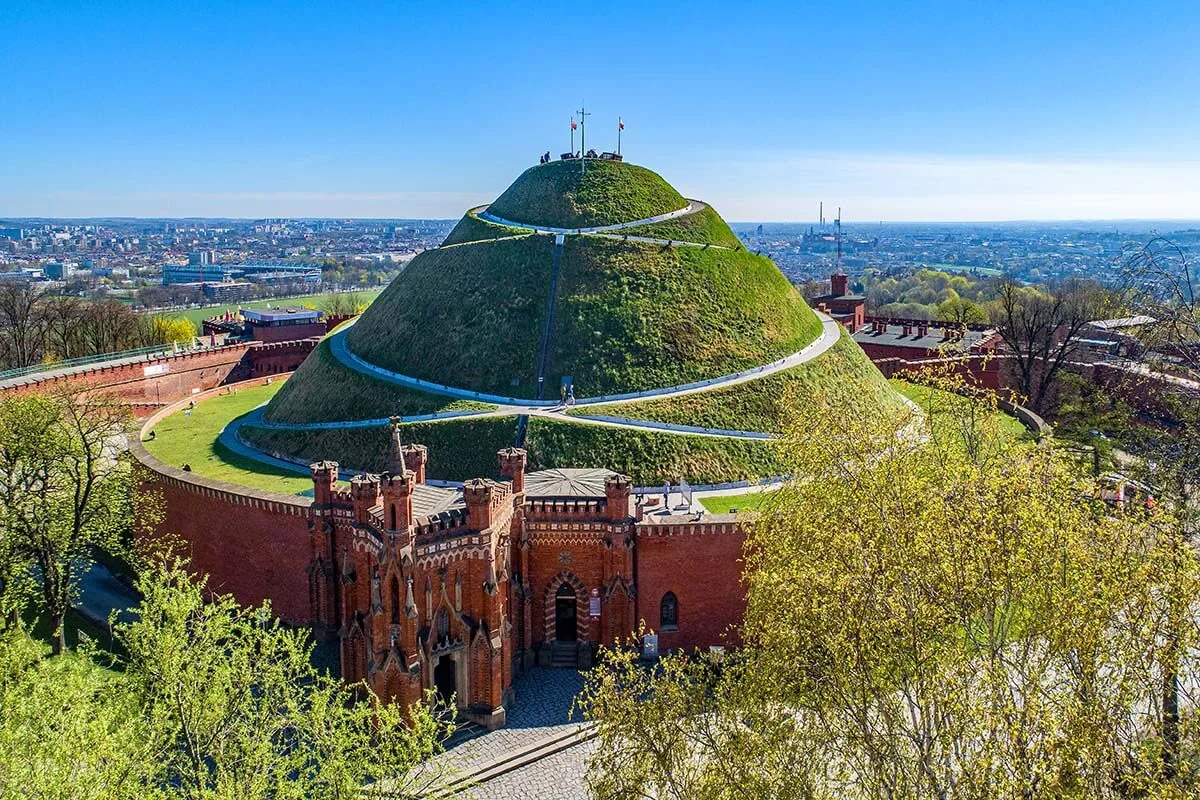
582,620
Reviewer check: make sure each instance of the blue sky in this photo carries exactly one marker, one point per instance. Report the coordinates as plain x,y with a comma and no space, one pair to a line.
894,111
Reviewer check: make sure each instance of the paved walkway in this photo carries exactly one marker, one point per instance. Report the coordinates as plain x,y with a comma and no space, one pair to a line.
692,207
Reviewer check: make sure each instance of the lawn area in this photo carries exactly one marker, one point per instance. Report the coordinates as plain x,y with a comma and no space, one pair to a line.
198,315
727,503
934,400
843,374
192,439
705,227
559,195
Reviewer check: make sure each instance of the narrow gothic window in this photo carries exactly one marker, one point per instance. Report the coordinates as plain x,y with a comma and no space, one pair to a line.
395,598
392,514
443,625
668,611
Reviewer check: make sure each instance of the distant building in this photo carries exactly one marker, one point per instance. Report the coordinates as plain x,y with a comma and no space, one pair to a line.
202,258
190,273
283,324
915,339
59,271
16,234
27,274
845,307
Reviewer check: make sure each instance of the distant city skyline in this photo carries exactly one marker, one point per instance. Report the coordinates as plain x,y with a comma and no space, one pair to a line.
926,113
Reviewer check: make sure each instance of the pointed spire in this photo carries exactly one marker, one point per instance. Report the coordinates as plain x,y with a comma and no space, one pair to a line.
395,462
410,605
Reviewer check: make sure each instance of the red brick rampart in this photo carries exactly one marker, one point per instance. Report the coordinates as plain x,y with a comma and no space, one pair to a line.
153,383
255,544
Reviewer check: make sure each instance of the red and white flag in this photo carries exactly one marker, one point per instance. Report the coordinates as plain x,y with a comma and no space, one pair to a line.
620,124
572,123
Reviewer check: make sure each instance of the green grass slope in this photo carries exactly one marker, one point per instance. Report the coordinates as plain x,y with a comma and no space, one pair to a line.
466,316
325,390
558,195
842,374
704,226
458,449
649,457
633,316
473,229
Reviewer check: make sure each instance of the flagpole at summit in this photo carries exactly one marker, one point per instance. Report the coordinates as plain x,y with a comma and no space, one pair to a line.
583,115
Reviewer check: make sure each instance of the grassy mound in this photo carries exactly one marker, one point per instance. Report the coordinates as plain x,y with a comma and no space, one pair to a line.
649,457
458,449
325,390
633,316
464,316
704,226
557,195
843,374
473,229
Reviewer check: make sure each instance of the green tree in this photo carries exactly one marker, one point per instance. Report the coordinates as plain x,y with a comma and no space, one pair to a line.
933,611
64,490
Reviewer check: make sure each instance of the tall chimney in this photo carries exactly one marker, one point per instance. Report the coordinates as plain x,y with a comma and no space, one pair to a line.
838,284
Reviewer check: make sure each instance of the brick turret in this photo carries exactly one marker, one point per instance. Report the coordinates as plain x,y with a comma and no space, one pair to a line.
324,476
364,491
617,490
415,457
397,501
839,284
512,466
478,495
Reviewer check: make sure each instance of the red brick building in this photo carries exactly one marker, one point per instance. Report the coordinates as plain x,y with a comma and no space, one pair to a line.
458,589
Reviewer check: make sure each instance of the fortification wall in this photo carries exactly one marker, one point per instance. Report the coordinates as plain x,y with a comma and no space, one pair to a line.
253,544
150,384
701,563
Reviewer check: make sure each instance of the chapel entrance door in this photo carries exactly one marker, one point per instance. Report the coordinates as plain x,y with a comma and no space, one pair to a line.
564,614
443,679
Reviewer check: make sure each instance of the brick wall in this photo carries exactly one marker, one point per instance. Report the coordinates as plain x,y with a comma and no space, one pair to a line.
702,564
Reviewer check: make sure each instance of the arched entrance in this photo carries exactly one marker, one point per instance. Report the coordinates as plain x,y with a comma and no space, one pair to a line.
443,679
565,606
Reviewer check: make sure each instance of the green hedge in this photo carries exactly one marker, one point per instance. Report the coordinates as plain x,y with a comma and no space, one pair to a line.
558,195
648,457
843,374
325,390
458,449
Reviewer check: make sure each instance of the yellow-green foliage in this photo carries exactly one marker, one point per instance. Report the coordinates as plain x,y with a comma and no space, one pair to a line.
767,404
558,195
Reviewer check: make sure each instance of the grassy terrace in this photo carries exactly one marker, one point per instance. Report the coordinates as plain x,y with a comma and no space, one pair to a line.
934,401
705,227
458,449
467,316
842,374
633,316
726,503
192,439
473,229
325,390
557,195
648,457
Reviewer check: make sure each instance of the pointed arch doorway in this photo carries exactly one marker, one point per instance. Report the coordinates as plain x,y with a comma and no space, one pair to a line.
566,606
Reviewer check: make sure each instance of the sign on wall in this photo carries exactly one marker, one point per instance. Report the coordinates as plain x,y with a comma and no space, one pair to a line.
594,603
151,370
